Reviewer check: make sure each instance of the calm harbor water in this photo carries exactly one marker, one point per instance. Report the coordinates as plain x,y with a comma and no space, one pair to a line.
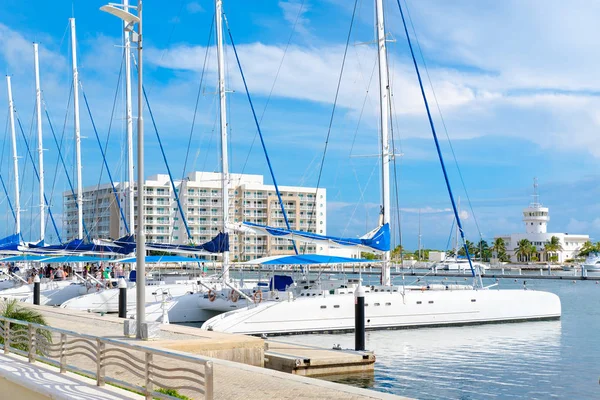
531,360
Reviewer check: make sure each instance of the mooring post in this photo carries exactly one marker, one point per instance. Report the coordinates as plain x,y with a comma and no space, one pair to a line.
122,298
359,318
36,290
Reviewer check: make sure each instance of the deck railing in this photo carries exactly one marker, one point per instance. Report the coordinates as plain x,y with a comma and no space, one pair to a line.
138,368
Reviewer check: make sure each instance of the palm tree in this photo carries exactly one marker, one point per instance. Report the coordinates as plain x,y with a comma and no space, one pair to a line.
11,309
470,246
587,248
499,247
483,250
552,247
523,250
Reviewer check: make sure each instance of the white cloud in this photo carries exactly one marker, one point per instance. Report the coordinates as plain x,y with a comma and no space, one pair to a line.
294,13
194,7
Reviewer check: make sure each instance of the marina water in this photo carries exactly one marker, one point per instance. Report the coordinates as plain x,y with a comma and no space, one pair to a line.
529,360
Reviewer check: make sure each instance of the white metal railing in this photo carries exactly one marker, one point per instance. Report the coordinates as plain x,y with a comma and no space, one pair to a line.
139,368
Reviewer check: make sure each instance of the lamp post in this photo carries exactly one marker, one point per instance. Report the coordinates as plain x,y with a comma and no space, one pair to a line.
130,20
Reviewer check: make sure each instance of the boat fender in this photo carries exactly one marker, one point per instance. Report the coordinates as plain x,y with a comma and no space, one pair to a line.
234,296
258,296
211,295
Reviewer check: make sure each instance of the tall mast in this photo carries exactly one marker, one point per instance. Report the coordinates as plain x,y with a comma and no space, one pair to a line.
420,235
77,131
385,145
38,108
130,178
457,231
11,112
223,112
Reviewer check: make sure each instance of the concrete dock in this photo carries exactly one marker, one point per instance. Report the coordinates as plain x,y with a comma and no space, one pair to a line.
314,361
238,370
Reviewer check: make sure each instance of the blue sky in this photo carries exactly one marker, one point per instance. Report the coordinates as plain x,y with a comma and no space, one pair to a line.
517,85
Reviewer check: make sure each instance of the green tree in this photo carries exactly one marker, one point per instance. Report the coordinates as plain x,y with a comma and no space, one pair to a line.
587,248
368,256
551,247
11,309
470,246
482,251
523,250
397,253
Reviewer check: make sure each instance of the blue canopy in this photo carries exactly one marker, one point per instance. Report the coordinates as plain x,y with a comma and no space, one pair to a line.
72,259
305,259
162,259
23,258
378,239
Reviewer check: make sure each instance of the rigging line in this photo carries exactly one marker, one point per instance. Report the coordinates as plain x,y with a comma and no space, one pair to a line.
437,144
175,192
112,182
443,121
112,116
337,92
62,160
12,210
395,169
37,175
300,10
262,141
1,161
197,99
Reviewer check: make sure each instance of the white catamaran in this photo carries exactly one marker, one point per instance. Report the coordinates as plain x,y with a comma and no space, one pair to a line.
387,305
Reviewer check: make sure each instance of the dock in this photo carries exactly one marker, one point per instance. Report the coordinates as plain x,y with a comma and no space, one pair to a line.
314,361
238,361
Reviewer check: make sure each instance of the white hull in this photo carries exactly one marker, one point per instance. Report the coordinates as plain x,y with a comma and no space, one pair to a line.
107,301
389,310
26,290
57,296
179,309
592,268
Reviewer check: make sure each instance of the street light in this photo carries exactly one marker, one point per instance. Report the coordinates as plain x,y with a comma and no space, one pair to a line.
130,20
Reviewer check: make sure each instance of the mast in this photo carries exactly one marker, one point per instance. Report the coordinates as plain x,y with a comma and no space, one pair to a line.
129,117
11,112
457,233
77,131
420,235
385,145
38,108
223,112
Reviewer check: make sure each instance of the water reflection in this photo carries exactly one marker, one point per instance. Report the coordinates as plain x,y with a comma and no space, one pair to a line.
504,360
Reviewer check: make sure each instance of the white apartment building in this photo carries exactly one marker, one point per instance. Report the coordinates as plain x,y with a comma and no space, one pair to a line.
200,198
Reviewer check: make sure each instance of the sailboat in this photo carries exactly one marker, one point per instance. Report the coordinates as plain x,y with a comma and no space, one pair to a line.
387,306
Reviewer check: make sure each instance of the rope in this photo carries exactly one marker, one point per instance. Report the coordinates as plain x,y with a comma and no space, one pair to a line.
437,144
443,123
262,141
62,160
337,92
112,182
197,100
37,175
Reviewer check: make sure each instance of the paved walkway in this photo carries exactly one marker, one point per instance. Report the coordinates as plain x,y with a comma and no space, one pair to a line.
19,379
231,379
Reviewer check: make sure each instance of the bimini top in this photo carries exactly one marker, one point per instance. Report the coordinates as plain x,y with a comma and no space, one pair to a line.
23,258
162,259
72,259
303,259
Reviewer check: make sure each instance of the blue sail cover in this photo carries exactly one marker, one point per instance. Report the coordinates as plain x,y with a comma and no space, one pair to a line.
10,243
124,245
218,244
376,240
306,259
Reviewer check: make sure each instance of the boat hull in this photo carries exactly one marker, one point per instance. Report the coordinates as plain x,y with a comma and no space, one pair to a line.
389,310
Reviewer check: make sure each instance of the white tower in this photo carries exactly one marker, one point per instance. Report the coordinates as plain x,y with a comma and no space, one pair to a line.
535,216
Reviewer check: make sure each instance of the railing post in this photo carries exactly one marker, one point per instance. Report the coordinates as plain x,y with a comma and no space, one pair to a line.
63,358
31,347
147,381
6,336
99,363
208,380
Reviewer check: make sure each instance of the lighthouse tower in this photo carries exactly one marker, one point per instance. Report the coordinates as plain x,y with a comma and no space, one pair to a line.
535,216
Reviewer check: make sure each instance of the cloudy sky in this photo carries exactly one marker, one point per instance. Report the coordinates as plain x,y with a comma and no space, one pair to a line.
516,84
